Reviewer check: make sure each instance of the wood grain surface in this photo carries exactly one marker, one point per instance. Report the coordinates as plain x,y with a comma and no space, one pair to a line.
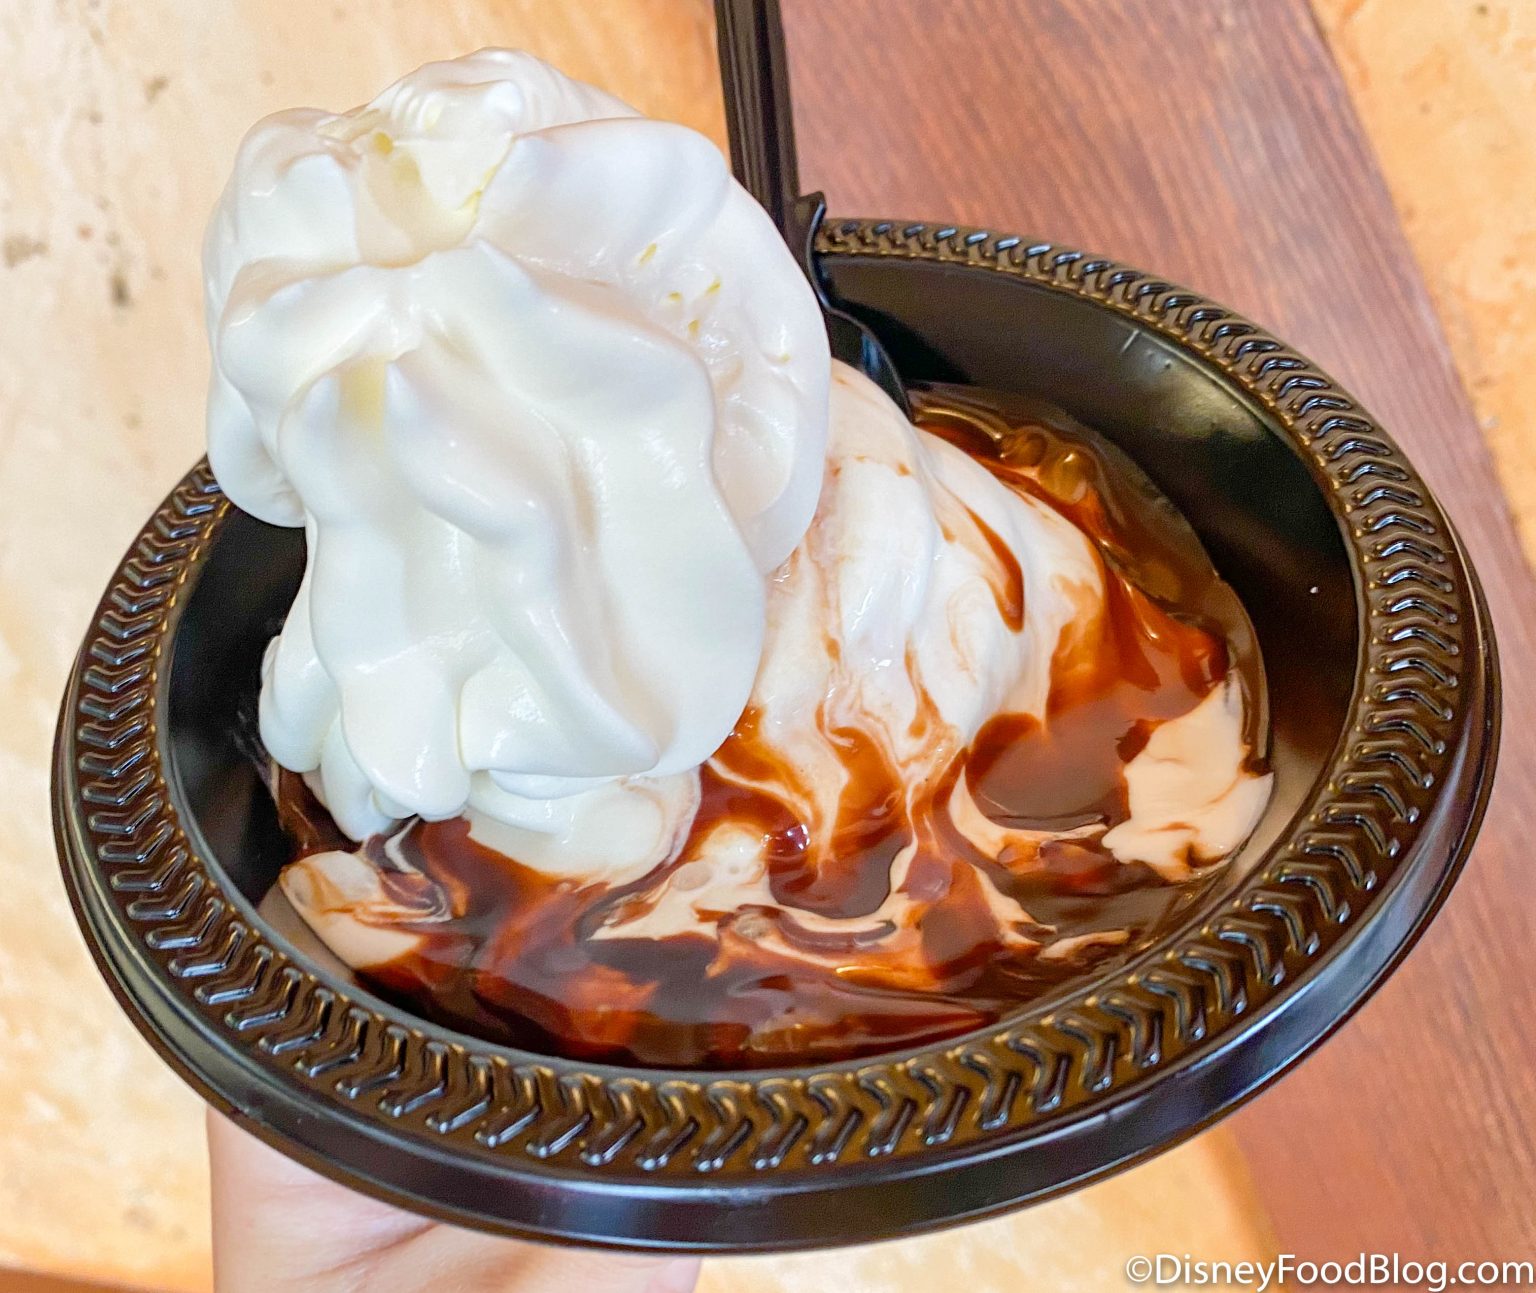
1214,143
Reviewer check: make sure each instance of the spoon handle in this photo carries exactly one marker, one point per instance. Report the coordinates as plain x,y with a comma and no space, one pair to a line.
757,107
755,72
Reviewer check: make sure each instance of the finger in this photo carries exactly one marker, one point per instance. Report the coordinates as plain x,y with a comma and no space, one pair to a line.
278,1224
280,1228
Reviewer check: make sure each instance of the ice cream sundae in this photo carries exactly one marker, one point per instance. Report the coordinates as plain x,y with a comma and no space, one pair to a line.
656,690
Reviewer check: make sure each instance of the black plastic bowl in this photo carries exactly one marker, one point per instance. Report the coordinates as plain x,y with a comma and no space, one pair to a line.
1383,713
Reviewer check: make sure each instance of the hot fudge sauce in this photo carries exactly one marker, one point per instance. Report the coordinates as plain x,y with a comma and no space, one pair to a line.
905,915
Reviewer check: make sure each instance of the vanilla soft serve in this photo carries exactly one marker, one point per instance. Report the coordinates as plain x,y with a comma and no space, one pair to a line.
548,394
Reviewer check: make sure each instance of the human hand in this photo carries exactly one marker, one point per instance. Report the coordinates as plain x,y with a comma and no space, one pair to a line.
280,1228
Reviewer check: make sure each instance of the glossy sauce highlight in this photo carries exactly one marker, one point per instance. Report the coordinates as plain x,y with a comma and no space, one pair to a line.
517,959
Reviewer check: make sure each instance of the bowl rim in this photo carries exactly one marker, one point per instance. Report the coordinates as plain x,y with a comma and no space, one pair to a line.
1338,900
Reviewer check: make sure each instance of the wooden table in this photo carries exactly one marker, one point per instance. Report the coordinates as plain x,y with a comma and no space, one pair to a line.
1213,142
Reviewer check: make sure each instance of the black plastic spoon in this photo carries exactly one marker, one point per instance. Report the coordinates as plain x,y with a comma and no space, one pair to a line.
755,72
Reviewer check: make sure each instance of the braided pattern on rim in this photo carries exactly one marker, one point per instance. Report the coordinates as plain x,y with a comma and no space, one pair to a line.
1170,1002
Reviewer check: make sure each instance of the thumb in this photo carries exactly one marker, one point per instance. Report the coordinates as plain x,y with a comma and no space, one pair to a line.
280,1228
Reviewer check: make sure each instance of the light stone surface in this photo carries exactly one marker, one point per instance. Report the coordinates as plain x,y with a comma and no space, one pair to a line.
1447,92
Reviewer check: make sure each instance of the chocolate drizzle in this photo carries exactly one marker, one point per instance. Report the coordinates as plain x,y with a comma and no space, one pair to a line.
884,924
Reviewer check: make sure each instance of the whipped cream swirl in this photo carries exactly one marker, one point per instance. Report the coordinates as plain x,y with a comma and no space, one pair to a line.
548,395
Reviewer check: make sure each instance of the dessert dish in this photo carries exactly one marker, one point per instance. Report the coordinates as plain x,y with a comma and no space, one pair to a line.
1375,715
